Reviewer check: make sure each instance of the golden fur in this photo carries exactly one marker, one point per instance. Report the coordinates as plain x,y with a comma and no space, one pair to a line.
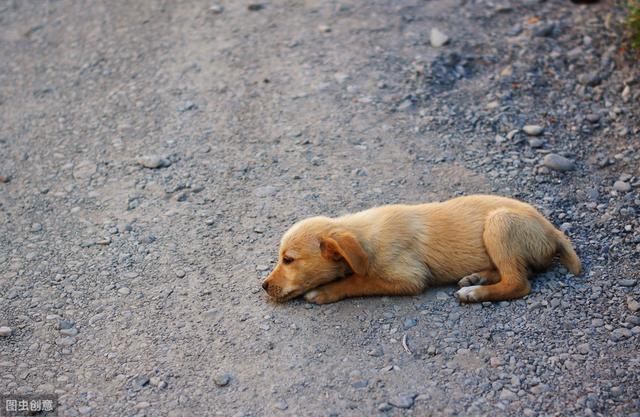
489,245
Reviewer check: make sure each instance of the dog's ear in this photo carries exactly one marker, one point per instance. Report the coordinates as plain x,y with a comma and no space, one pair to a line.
345,246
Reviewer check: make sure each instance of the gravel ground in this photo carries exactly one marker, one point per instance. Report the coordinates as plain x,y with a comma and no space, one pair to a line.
153,152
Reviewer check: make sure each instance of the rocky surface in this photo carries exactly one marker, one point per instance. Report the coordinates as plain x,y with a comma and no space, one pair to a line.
154,152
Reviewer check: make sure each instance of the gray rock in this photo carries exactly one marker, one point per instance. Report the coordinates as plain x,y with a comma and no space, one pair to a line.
627,282
409,323
65,324
536,143
376,352
632,304
583,348
384,407
533,130
622,186
281,405
5,331
402,401
140,382
69,332
438,38
153,162
124,291
222,380
558,162
507,395
620,334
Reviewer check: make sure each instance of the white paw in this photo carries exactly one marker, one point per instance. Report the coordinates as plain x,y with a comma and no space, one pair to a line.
311,295
468,294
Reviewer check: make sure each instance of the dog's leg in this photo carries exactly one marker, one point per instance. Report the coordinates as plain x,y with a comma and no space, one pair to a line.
513,242
490,276
358,285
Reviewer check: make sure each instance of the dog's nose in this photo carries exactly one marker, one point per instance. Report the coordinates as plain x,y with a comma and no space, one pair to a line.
265,285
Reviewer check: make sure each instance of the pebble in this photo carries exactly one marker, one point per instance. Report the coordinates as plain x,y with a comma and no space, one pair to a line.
140,382
376,352
281,405
409,323
384,407
4,178
593,117
507,395
254,7
36,227
622,186
627,282
533,130
402,401
438,38
65,324
558,162
324,29
153,162
633,305
583,348
180,273
5,331
124,291
69,332
620,334
216,9
222,380
536,143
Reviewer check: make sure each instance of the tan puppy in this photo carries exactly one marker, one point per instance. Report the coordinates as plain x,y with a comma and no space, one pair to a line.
489,245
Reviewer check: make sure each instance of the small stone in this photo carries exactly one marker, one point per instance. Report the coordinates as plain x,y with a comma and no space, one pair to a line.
583,348
593,117
216,9
507,395
633,305
438,38
66,341
157,382
222,380
620,334
254,7
494,362
180,273
5,331
4,178
533,130
409,323
324,29
590,80
36,227
384,407
376,352
153,162
402,401
124,291
558,162
536,143
140,382
281,405
65,324
69,332
627,282
622,186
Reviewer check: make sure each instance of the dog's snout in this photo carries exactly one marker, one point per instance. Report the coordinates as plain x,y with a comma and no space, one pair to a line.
265,285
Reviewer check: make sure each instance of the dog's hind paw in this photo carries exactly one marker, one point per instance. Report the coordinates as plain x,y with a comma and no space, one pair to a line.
469,294
473,279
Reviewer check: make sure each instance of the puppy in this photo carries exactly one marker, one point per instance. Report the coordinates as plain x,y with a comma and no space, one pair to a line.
489,245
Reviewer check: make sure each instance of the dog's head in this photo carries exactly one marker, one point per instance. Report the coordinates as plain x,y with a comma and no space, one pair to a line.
312,253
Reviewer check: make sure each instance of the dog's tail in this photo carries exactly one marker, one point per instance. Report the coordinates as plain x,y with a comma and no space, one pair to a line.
567,254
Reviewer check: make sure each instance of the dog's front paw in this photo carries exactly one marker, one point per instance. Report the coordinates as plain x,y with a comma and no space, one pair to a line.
319,296
469,294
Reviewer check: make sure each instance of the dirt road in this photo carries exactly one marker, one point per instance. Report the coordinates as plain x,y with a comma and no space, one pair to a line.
153,152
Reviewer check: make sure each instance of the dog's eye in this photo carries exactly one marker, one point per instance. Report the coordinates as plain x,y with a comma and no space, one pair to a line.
287,260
